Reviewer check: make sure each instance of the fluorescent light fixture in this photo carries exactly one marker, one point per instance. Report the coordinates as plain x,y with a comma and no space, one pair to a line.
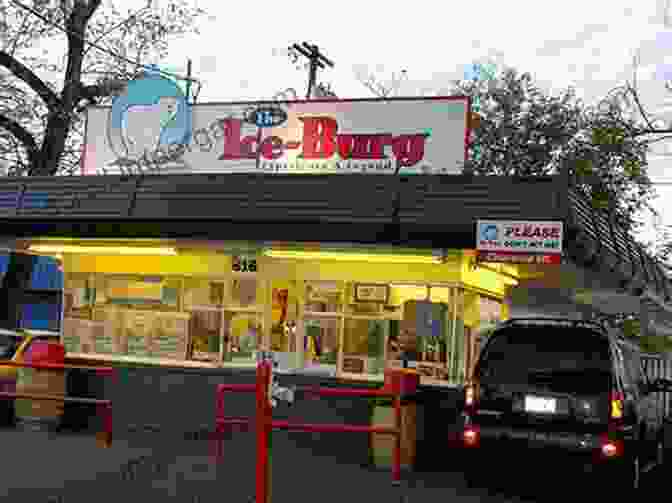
354,257
101,250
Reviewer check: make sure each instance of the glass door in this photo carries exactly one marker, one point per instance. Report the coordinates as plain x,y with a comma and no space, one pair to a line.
365,346
321,341
242,336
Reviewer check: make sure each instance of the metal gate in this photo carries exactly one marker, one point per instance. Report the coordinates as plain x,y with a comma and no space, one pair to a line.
655,367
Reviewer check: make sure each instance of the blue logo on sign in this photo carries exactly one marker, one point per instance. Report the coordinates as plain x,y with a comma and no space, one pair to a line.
489,233
152,115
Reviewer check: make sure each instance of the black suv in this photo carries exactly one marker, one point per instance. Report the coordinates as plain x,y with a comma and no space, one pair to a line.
562,390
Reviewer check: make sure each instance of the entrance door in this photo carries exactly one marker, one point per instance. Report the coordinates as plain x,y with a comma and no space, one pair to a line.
242,336
321,341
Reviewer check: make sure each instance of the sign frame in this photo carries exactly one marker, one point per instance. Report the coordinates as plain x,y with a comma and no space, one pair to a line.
424,139
383,299
519,237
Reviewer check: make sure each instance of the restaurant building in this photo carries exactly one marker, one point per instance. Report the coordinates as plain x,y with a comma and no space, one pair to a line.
334,233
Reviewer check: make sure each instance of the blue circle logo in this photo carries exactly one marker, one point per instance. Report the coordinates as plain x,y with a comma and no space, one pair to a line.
152,115
489,233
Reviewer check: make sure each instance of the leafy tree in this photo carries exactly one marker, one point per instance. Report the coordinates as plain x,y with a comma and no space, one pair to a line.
519,129
42,97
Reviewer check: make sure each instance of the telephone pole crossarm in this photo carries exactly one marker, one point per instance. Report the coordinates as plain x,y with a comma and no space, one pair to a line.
315,60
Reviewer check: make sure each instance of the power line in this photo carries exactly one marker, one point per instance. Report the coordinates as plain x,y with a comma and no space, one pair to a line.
102,49
315,60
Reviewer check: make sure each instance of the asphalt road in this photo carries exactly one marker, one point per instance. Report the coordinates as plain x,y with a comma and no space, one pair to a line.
67,468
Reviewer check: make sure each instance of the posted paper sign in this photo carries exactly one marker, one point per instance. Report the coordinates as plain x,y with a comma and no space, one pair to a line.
519,237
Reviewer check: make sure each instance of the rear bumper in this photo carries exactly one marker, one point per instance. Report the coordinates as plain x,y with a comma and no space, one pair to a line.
567,442
542,448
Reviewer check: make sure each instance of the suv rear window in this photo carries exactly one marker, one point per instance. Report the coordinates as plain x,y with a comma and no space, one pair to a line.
564,359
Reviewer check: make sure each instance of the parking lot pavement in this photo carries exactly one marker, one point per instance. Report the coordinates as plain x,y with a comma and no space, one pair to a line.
66,468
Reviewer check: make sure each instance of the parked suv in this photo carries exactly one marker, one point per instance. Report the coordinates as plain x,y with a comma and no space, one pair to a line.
557,390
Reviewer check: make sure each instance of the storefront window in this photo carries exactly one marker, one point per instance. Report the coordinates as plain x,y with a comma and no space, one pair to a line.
243,292
353,328
321,342
242,336
324,297
364,346
243,320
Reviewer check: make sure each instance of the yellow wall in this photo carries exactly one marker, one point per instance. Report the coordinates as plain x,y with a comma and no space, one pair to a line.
360,271
483,279
472,311
183,265
457,269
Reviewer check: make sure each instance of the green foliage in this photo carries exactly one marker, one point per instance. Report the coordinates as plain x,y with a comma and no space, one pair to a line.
655,344
525,131
139,36
631,328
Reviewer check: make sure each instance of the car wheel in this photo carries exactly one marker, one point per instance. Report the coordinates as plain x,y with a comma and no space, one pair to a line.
473,477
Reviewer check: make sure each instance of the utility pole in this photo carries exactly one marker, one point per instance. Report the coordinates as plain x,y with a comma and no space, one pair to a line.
315,60
189,100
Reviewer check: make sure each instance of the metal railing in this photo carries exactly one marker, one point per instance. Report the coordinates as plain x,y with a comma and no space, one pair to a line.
268,392
104,406
659,367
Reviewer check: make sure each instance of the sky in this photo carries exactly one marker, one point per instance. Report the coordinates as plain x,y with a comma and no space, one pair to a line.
590,45
240,53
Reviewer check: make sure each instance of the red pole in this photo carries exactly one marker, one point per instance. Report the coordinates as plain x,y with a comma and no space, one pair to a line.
396,462
219,414
262,432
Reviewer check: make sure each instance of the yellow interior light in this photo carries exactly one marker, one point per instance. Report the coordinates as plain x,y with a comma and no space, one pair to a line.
101,250
353,257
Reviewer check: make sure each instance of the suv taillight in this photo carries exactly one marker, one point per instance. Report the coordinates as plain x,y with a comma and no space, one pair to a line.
471,436
611,446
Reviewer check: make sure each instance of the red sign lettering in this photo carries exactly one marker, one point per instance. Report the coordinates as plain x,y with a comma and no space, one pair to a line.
321,141
319,134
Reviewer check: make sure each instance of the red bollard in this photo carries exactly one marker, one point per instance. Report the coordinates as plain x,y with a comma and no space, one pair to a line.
263,430
105,436
396,466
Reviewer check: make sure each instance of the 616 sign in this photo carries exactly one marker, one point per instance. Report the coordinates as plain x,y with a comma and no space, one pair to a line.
242,263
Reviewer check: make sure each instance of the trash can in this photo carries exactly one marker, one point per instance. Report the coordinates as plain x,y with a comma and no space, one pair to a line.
42,382
382,446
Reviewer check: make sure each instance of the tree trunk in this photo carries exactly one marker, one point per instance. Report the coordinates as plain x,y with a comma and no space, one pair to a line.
14,284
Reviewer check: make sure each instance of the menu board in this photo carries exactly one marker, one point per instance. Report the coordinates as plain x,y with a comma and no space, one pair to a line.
71,340
118,331
171,337
103,341
79,335
137,346
138,327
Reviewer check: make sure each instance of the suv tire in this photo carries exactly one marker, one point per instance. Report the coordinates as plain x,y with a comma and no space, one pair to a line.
628,477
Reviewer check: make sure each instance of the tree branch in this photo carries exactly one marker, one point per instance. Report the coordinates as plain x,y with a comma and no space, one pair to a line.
104,90
21,134
36,84
633,91
105,33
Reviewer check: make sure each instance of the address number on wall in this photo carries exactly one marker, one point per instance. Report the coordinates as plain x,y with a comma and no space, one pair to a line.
244,264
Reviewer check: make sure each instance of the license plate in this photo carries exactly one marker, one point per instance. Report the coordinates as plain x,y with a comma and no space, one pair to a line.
540,405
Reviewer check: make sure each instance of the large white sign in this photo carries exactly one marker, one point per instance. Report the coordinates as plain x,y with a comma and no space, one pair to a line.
519,237
402,136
